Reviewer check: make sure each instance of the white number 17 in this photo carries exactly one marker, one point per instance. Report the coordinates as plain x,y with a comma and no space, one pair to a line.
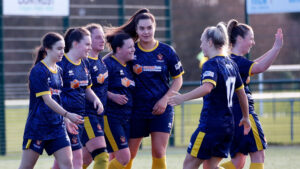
230,83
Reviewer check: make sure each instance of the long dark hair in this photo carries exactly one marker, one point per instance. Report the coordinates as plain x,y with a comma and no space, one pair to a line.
48,40
236,29
74,34
130,26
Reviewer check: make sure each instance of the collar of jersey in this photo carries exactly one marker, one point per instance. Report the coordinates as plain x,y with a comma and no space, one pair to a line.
72,61
145,50
235,54
90,57
220,55
118,60
53,71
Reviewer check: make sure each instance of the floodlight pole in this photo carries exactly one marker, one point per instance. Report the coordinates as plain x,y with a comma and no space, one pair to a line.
2,93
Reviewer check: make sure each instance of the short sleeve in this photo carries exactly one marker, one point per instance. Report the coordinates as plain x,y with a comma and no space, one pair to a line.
174,64
38,80
209,73
245,66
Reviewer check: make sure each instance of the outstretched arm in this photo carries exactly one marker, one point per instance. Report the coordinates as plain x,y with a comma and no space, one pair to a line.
266,60
194,94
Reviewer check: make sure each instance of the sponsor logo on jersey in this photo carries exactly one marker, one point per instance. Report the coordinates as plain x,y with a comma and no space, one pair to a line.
76,83
55,91
71,73
95,68
121,72
229,66
138,69
127,82
101,77
208,74
178,65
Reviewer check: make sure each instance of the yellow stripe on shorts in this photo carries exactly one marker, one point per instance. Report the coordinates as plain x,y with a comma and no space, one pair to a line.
197,144
257,139
88,128
28,144
109,135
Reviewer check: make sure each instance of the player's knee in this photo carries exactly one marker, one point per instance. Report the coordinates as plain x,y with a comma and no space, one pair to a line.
258,157
123,157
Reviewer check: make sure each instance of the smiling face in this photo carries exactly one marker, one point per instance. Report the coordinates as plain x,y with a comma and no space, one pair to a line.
98,39
127,50
56,53
145,30
246,43
84,46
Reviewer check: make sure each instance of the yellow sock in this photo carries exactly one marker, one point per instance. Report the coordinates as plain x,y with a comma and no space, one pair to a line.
159,163
85,166
101,161
129,165
228,165
115,164
257,166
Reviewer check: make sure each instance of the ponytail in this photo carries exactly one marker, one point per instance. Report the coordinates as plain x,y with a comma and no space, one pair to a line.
235,29
40,54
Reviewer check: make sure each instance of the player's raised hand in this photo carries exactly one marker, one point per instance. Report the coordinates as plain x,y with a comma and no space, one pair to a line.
278,39
246,123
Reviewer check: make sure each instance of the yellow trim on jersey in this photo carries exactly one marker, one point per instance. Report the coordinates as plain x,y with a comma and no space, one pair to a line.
258,142
250,70
175,77
90,57
72,61
89,86
28,143
42,93
53,71
210,81
197,144
109,135
118,60
88,128
239,88
145,50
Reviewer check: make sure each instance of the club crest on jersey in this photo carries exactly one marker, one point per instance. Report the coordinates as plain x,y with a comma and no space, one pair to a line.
101,77
208,74
122,139
137,69
38,142
71,73
99,127
127,82
74,140
160,58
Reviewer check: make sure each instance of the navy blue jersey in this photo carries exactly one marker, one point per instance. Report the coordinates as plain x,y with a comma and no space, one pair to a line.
76,79
99,76
152,70
216,114
245,68
42,122
120,81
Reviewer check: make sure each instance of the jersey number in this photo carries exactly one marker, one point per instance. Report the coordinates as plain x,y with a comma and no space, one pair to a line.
230,83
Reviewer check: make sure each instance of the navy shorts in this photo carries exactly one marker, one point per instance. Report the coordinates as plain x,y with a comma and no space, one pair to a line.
116,133
142,127
92,128
51,146
212,144
254,141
